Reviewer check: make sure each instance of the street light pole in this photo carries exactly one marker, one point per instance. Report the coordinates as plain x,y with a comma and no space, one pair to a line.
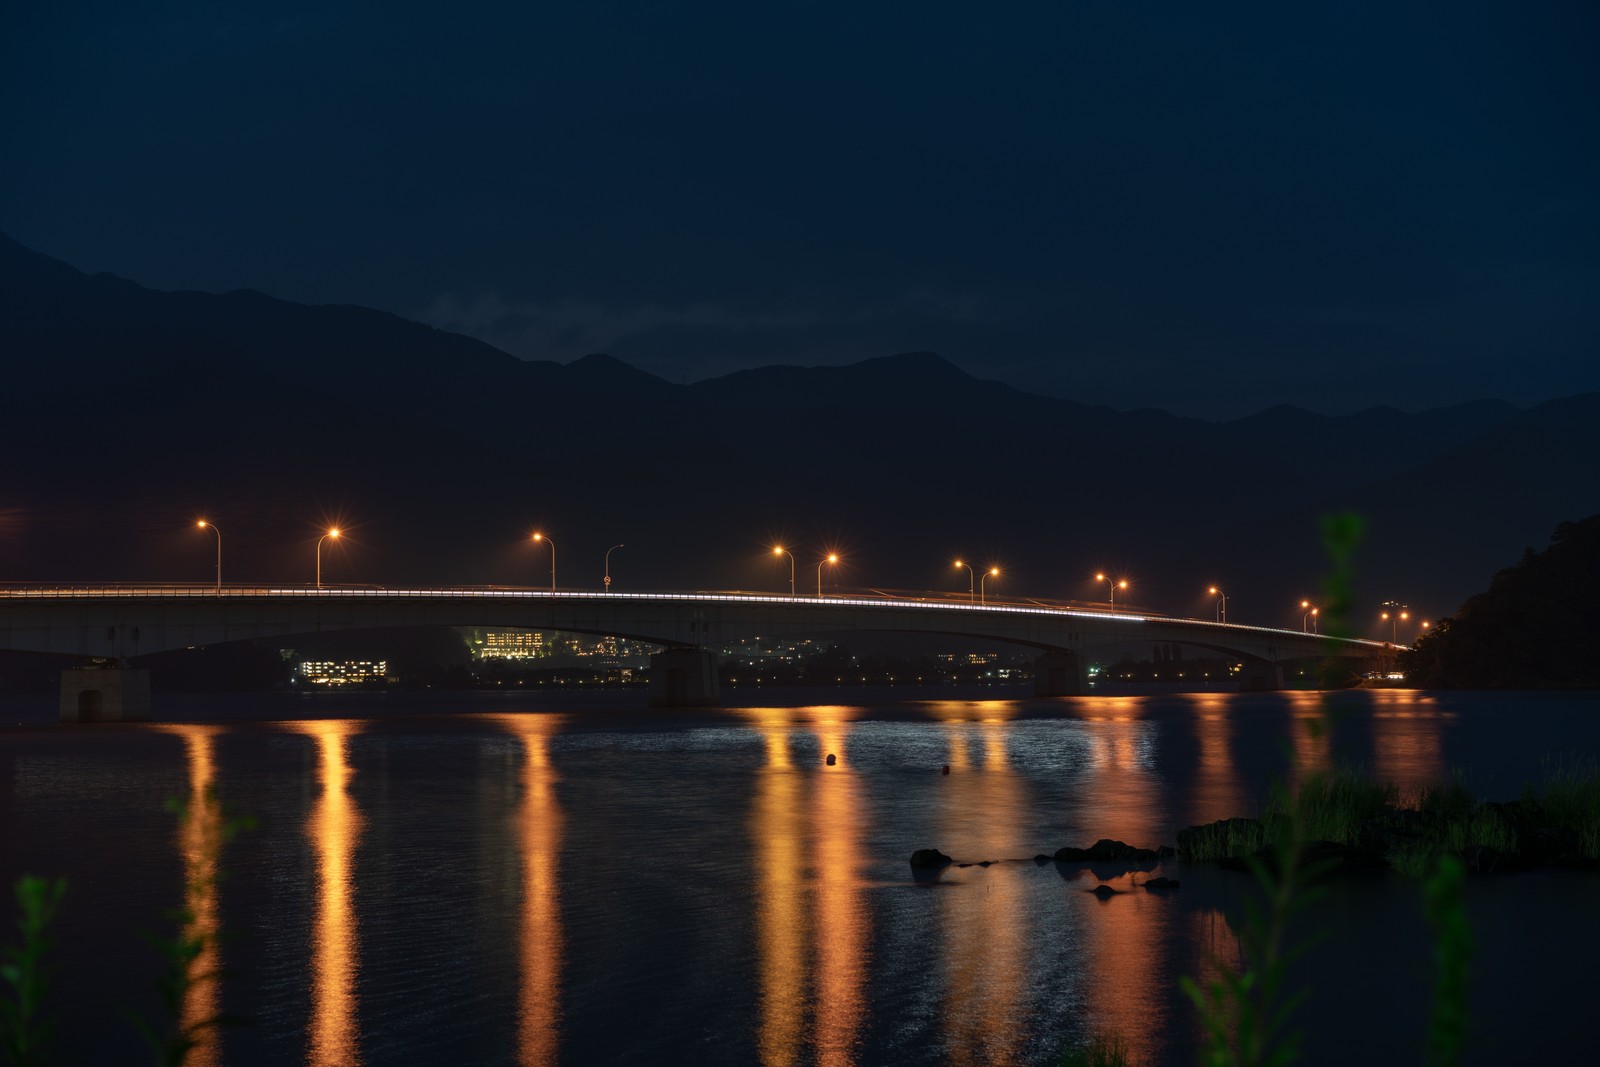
552,544
610,550
779,550
204,523
992,572
831,558
1222,604
1396,611
971,592
1308,621
333,533
1115,585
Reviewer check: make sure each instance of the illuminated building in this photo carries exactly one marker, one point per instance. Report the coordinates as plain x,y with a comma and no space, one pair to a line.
494,644
343,672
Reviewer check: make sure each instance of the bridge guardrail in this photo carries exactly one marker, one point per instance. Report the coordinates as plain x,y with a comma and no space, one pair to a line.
925,600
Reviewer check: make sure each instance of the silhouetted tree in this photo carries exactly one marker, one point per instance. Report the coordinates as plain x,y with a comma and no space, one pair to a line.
1537,625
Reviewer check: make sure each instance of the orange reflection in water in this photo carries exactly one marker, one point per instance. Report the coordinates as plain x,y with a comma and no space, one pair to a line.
812,925
1125,805
200,838
539,825
777,834
1310,738
1217,791
983,923
334,827
843,927
1407,741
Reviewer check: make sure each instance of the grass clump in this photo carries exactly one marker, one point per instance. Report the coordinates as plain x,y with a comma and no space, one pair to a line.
1103,1050
1226,840
25,1031
1569,799
1333,806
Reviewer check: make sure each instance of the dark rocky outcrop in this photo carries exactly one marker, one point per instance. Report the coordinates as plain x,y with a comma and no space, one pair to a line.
1107,850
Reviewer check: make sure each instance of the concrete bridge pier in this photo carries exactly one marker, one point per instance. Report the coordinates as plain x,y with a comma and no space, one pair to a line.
684,678
1059,674
1260,676
105,694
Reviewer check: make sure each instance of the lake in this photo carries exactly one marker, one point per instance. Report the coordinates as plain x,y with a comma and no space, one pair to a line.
572,878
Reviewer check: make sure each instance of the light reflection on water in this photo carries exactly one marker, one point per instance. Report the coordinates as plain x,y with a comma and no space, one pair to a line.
828,950
334,829
811,920
984,942
200,842
844,925
538,833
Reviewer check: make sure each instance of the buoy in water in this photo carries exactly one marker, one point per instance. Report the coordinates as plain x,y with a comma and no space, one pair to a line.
947,768
832,759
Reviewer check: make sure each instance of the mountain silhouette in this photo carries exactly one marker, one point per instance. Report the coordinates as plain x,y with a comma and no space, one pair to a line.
133,410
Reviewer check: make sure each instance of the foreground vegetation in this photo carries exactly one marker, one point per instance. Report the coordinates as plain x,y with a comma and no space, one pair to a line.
1352,821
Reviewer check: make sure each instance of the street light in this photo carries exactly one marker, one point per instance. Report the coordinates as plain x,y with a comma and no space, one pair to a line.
333,532
1222,605
1115,585
1393,617
552,544
204,524
971,575
779,550
610,550
831,558
992,572
1308,621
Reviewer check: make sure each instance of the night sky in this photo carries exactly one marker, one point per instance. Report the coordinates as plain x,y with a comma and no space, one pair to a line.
1207,208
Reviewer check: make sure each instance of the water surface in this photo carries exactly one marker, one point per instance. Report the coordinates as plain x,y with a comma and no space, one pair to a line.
542,881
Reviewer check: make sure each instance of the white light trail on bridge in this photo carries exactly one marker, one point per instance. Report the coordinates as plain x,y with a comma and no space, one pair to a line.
870,603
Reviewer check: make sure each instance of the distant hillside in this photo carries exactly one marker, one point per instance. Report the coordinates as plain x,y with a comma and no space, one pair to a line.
135,410
1537,625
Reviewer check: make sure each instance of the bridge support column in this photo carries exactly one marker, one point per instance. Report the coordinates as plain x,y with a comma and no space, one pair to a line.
1059,674
683,678
1260,677
105,694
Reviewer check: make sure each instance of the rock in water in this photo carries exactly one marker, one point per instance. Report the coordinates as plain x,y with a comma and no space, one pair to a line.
929,857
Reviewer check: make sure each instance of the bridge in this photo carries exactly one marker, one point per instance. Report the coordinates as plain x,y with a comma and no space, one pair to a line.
122,622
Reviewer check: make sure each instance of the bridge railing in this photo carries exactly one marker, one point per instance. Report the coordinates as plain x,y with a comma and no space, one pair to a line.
839,597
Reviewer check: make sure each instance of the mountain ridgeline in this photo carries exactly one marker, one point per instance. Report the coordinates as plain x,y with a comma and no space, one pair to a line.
133,411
